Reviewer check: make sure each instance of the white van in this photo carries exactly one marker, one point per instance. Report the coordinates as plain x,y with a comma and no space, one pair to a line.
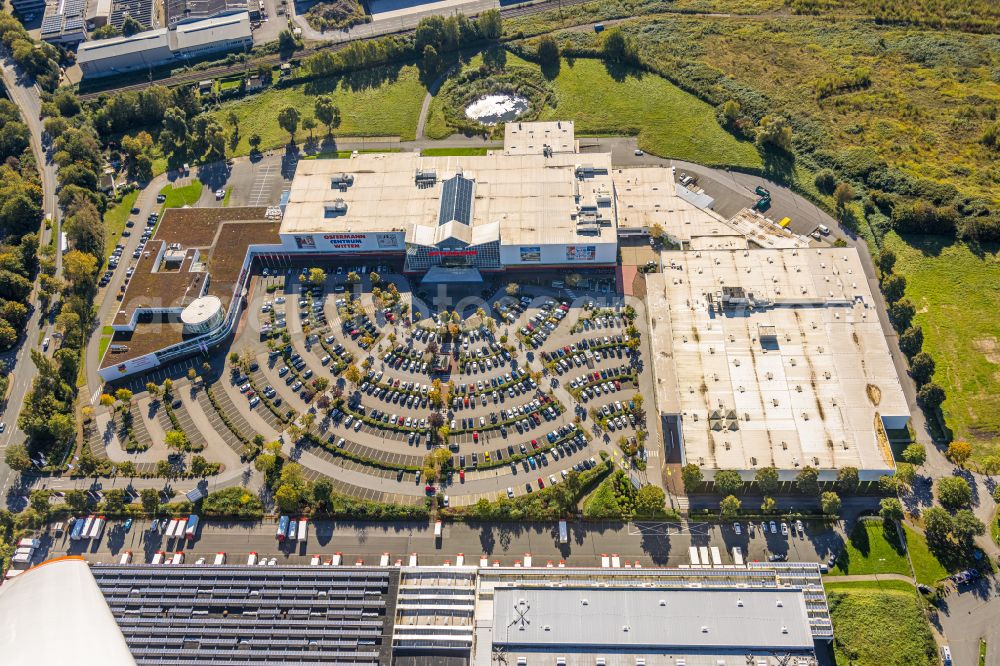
823,229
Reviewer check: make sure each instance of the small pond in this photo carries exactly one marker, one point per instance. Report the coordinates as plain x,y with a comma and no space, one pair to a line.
493,109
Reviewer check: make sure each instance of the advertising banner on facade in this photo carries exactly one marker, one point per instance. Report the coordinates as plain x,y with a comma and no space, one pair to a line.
531,253
305,242
581,253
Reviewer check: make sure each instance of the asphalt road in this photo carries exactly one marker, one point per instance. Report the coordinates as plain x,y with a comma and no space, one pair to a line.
649,543
969,614
25,96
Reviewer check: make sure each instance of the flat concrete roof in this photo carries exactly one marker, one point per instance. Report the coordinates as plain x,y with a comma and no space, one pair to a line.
583,619
532,138
809,395
531,199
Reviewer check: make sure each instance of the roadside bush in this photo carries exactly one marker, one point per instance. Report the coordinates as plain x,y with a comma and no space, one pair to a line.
235,502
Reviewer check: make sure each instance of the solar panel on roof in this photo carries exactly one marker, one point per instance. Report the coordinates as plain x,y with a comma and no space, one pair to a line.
456,200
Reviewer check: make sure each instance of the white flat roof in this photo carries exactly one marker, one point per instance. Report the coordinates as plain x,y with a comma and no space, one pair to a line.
810,395
530,198
531,138
588,618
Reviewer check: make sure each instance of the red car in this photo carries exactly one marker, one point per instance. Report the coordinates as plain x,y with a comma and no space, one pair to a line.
461,475
475,435
534,443
430,490
540,484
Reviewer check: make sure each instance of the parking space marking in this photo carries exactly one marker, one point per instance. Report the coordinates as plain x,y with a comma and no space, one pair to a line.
260,191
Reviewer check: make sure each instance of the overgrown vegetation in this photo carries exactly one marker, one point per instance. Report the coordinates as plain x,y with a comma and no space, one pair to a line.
336,14
880,627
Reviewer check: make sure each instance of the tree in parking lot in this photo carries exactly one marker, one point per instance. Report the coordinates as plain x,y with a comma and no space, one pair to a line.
729,506
353,278
317,276
728,482
375,278
513,289
435,420
650,500
352,374
808,481
830,503
152,389
199,466
848,480
768,505
692,477
124,396
126,468
176,439
165,469
766,479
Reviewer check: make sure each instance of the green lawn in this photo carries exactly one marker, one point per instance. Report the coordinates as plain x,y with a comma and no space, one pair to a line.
876,624
668,121
185,195
459,152
381,102
115,218
870,551
955,292
225,199
889,585
926,567
103,345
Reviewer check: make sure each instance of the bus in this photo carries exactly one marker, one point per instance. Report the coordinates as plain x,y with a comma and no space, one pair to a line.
192,527
292,530
158,557
563,532
946,655
220,558
437,530
303,530
77,530
282,528
178,557
126,557
252,559
716,556
171,528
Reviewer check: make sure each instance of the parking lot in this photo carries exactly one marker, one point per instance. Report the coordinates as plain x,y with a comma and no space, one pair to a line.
526,387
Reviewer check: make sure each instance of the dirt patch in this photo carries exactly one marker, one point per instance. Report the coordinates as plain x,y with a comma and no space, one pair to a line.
989,348
874,394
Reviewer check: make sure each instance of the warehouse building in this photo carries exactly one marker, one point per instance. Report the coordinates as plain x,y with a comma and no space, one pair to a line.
156,48
120,615
181,11
773,358
455,218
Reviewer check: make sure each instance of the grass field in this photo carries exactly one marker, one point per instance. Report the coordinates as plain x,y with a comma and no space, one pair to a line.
115,219
869,550
877,624
382,102
225,199
186,195
668,121
927,569
955,292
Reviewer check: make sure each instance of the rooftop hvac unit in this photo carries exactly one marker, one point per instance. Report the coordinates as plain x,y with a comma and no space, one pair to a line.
425,177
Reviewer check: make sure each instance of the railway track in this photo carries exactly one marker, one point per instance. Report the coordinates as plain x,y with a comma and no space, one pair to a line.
226,70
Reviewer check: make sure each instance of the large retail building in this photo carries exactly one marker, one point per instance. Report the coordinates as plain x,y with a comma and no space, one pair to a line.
454,218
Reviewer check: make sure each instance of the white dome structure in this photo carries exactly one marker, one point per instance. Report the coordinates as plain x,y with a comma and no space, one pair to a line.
202,315
59,598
